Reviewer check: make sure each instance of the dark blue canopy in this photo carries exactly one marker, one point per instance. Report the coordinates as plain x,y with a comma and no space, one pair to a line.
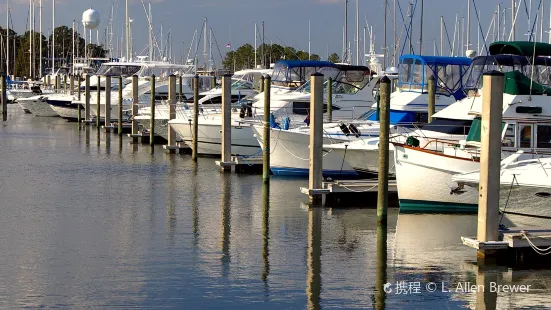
437,60
304,63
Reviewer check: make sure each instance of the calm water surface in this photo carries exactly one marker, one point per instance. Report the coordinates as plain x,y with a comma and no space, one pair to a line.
90,222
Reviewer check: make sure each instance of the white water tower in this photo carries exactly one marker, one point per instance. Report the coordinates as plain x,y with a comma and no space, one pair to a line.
90,19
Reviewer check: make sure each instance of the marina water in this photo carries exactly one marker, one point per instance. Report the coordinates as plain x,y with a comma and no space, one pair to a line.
89,220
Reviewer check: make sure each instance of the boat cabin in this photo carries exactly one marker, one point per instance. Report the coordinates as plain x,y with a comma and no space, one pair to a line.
292,74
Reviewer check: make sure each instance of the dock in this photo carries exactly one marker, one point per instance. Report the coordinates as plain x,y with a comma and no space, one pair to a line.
349,191
180,148
243,164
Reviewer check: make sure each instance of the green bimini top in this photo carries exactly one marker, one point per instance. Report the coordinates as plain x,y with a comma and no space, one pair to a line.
521,48
517,83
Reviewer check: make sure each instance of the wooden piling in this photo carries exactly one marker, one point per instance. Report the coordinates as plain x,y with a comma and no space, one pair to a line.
330,100
384,131
119,121
488,203
87,112
195,118
262,84
213,83
48,80
180,88
134,108
266,146
65,84
378,101
56,82
152,115
72,84
172,100
226,121
98,103
4,99
432,96
107,103
316,137
79,91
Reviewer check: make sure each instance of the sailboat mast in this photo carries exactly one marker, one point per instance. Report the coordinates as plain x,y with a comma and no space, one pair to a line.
498,21
53,36
255,47
385,47
150,34
357,32
364,52
73,54
205,45
421,30
395,37
210,50
345,54
40,43
513,5
441,35
309,40
30,39
127,33
8,37
469,23
263,49
541,21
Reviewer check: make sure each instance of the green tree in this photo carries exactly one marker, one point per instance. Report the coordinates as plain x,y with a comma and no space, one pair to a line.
334,58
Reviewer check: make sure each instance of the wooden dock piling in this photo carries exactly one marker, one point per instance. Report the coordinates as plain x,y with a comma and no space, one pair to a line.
330,100
195,132
226,123
134,133
152,115
262,83
266,146
98,103
316,138
87,112
119,121
488,203
384,131
172,100
107,122
4,99
72,84
432,97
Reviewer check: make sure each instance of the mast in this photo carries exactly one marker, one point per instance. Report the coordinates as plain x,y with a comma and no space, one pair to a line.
498,20
309,40
40,43
150,17
441,35
385,44
363,56
357,32
30,39
53,36
263,49
205,45
8,37
163,43
210,51
421,32
469,23
127,33
549,25
345,54
504,24
395,38
73,54
255,47
513,5
541,21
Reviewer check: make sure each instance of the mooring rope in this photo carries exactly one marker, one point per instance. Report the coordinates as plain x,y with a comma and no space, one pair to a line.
536,249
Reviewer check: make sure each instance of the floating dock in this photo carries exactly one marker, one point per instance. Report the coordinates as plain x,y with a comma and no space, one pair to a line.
243,164
350,192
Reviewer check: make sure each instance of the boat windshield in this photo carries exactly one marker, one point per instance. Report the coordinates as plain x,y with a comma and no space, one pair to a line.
414,76
507,63
240,84
295,73
344,81
118,70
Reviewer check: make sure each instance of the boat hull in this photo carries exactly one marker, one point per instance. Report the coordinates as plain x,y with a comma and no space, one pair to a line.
38,107
67,111
424,180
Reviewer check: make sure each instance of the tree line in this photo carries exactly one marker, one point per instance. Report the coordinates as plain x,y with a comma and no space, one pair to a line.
244,56
19,54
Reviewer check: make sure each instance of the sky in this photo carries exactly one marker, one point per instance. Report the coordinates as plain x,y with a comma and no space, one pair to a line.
286,21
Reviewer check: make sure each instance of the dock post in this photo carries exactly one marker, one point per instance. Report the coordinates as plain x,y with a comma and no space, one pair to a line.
316,137
72,84
87,112
378,101
65,84
107,103
213,83
56,84
195,117
262,83
134,108
98,103
172,100
79,91
330,100
120,107
488,201
266,146
4,99
48,80
432,97
180,88
384,130
226,121
152,115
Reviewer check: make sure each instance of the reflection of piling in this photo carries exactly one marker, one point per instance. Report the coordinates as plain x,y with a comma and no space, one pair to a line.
152,115
195,118
266,146
171,110
330,100
266,231
316,137
119,121
226,224
107,103
87,112
134,134
4,99
313,285
98,102
381,279
382,198
485,298
432,96
488,203
226,122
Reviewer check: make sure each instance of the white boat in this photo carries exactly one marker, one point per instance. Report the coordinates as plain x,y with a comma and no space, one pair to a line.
425,176
243,83
209,144
37,105
525,191
409,109
64,105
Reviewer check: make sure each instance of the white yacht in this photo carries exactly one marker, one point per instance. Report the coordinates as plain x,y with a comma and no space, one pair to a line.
424,176
244,83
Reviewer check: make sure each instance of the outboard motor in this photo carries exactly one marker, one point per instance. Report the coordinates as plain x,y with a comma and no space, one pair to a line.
354,130
344,129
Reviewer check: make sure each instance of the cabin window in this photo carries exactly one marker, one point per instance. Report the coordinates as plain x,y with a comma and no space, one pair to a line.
544,136
525,135
509,137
